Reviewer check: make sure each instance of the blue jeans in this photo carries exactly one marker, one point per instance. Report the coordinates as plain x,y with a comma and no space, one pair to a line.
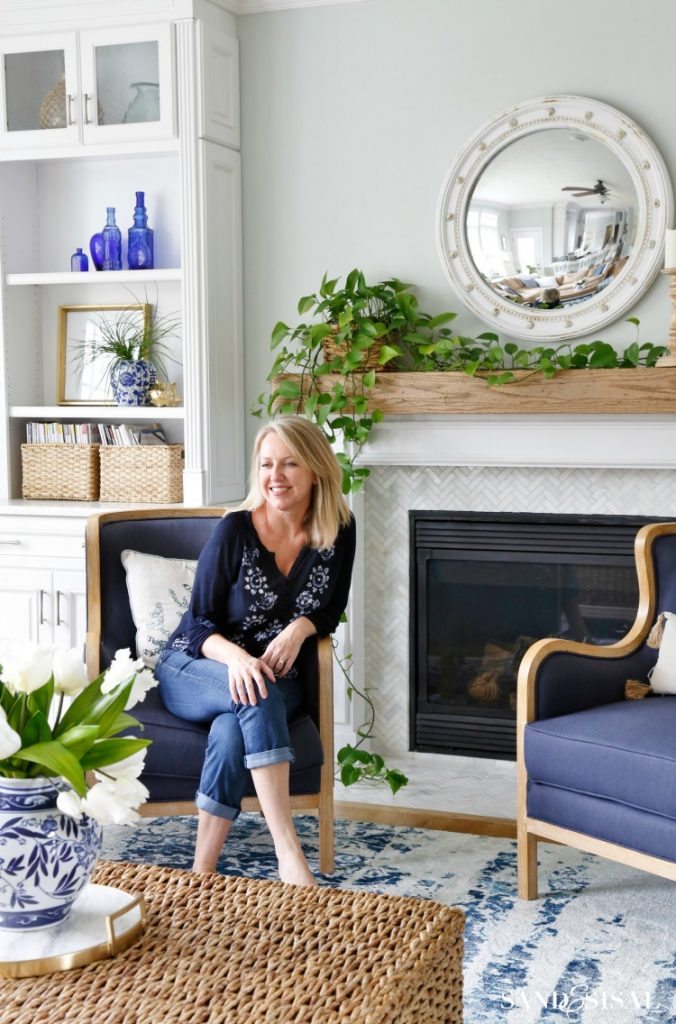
241,736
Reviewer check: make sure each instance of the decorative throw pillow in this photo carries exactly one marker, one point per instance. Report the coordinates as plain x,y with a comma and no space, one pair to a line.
662,675
159,592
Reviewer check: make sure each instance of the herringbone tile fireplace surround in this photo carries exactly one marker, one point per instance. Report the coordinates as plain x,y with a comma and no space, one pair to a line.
394,489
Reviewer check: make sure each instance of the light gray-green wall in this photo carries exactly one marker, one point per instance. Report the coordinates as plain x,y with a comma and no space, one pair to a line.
352,114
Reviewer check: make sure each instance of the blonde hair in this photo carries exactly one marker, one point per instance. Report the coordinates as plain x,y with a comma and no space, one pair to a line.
328,509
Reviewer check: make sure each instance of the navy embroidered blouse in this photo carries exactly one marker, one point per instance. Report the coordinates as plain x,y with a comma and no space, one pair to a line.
240,593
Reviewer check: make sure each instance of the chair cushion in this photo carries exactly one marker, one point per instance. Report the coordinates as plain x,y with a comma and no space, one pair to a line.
624,752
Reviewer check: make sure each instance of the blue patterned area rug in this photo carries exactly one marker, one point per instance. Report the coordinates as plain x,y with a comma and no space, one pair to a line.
599,947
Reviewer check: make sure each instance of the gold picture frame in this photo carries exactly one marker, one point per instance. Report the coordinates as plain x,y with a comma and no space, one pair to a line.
82,376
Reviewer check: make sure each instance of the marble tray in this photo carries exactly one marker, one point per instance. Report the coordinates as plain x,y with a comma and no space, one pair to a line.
104,921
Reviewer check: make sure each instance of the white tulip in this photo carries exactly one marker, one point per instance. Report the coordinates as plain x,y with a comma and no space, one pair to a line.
26,667
10,741
114,802
143,682
70,804
70,674
121,670
128,768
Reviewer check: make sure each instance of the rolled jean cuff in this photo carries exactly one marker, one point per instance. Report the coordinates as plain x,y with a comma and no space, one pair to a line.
205,803
266,757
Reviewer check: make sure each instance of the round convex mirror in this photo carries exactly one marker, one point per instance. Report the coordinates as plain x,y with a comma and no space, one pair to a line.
551,222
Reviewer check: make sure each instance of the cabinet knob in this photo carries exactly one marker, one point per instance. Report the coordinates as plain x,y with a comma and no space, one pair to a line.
14,543
41,607
69,109
87,118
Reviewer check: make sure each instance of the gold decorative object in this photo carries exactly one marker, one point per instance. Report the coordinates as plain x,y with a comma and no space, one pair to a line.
163,392
484,688
53,106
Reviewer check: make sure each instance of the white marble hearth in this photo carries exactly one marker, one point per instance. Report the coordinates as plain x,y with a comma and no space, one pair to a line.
579,465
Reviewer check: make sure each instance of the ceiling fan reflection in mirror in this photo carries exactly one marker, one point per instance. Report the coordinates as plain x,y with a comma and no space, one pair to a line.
599,189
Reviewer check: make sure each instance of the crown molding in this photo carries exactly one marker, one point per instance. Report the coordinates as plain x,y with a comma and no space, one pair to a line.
265,6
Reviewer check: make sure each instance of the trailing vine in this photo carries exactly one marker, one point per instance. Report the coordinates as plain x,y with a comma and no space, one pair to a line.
359,328
355,763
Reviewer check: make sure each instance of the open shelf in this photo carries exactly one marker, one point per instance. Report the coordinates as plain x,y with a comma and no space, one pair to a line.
97,412
96,277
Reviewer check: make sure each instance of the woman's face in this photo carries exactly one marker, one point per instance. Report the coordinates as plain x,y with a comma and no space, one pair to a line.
285,483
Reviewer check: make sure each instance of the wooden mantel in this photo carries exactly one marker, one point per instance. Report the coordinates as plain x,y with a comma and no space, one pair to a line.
619,391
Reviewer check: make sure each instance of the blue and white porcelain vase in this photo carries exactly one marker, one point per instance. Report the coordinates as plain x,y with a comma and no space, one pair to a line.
130,380
46,857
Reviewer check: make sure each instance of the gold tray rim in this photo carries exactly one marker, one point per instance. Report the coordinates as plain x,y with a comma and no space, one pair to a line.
82,957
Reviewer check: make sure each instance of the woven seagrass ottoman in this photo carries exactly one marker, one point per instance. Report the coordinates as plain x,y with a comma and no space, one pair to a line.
226,950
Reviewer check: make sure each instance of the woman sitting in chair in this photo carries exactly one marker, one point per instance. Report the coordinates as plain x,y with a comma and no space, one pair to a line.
276,571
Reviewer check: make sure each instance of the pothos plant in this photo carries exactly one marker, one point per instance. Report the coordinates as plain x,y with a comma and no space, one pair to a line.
360,324
354,327
351,331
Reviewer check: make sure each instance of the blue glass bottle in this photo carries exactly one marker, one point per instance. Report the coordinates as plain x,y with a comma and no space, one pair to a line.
140,238
96,249
79,260
112,242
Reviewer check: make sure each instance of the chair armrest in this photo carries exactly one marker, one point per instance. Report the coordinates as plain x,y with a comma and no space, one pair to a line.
560,677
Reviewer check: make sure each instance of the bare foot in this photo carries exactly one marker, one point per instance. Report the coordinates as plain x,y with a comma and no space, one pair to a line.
293,868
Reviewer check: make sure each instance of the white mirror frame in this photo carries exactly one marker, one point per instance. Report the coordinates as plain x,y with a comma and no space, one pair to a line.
648,173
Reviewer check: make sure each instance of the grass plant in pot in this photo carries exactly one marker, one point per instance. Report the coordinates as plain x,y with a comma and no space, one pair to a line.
131,347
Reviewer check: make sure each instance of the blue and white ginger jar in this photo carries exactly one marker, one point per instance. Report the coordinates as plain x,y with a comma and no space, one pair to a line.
46,857
130,380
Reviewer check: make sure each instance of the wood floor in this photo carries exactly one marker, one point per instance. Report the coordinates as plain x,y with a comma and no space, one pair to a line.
442,821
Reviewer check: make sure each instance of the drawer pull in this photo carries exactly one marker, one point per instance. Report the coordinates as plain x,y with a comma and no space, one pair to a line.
42,607
59,620
14,543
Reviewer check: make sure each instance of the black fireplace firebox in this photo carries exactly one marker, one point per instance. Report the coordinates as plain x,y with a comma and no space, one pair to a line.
483,588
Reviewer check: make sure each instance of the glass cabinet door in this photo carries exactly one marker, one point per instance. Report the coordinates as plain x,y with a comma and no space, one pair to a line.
38,84
126,83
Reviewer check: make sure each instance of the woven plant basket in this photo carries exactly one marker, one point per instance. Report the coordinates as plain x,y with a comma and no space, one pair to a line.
333,349
61,472
151,473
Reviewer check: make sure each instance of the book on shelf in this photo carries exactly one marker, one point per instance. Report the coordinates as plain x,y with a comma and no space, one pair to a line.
95,433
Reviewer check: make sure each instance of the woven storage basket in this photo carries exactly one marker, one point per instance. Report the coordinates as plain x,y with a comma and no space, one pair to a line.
62,472
145,473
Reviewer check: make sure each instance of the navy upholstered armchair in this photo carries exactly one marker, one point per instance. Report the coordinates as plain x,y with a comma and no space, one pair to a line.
596,771
174,759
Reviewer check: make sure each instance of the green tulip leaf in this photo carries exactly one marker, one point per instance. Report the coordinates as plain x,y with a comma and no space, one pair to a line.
58,761
109,752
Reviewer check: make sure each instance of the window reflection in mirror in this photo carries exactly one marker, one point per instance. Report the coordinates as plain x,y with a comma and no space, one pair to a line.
552,219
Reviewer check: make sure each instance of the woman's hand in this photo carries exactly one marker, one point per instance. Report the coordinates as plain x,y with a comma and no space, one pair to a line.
282,651
247,678
246,674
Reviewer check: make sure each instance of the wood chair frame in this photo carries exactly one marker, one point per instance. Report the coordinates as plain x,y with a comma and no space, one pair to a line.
321,802
530,831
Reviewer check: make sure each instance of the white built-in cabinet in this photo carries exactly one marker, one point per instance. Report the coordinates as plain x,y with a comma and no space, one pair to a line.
83,70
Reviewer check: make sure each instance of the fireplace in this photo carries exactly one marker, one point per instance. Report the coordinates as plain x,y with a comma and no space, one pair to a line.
484,586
